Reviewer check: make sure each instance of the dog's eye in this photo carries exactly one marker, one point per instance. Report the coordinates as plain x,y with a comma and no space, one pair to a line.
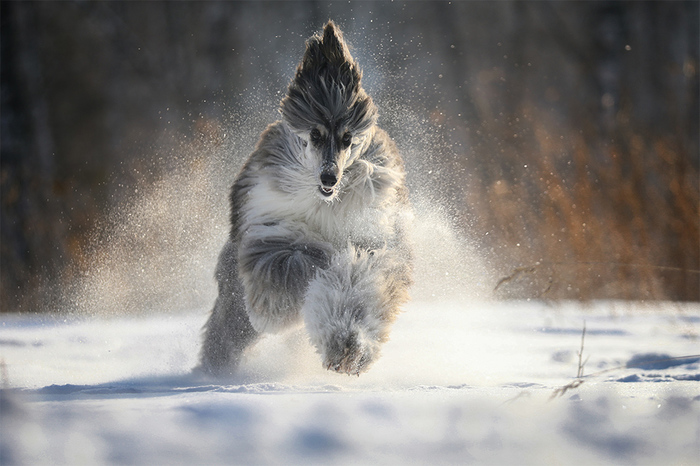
347,139
315,135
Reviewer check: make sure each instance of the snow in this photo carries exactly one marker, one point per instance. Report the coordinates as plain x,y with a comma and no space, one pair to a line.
461,381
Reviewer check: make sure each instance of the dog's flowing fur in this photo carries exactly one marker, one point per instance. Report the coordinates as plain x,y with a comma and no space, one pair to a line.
319,224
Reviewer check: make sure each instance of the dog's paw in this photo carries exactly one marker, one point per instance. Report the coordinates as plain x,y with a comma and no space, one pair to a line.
349,353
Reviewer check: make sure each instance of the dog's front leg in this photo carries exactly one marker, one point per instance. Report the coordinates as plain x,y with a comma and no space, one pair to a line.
275,271
349,307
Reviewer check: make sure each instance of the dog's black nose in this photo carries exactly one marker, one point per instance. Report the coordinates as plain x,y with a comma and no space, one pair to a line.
328,179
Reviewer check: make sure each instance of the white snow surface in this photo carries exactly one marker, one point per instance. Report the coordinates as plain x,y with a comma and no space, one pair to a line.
459,382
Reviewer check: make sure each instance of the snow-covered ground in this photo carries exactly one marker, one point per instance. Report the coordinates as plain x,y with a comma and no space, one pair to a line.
459,382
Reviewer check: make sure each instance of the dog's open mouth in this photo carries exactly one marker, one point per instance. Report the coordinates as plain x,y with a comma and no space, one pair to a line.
327,192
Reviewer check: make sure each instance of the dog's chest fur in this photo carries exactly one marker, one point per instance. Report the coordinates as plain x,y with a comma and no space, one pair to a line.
284,195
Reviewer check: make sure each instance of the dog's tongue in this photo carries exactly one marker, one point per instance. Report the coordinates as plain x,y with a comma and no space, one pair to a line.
326,191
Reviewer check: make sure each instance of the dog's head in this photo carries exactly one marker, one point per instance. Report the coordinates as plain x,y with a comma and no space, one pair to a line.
327,107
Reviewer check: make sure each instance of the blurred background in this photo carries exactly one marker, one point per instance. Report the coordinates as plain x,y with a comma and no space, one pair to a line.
560,139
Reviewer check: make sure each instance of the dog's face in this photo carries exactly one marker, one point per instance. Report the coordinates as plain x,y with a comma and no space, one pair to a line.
332,148
327,107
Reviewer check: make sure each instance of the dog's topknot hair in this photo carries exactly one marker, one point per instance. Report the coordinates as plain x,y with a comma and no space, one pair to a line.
331,48
326,88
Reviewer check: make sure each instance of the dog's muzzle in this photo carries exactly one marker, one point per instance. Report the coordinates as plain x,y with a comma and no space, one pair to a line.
329,180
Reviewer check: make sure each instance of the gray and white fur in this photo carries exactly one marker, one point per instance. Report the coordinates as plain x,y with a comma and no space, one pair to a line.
320,223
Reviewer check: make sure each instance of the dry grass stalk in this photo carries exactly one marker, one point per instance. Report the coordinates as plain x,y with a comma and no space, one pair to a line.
579,374
519,272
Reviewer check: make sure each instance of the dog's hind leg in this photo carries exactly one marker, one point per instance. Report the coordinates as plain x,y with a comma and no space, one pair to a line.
228,331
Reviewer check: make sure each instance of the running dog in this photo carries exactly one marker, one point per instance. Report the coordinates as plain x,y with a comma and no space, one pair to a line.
320,223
